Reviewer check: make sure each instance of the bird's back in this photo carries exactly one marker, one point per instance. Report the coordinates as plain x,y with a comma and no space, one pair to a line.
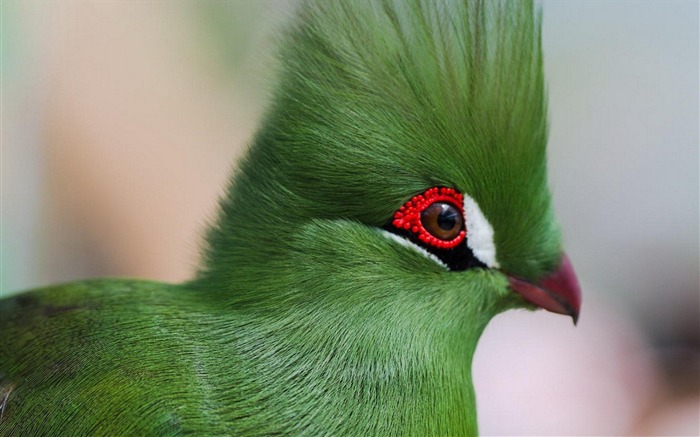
107,356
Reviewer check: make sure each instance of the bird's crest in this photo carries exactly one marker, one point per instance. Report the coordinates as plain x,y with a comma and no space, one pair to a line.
379,101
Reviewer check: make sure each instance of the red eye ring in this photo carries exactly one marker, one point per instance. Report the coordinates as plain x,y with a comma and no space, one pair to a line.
408,217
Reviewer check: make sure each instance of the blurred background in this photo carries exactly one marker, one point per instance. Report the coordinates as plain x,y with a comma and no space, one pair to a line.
121,122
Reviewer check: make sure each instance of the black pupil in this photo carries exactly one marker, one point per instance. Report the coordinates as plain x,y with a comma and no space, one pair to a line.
447,218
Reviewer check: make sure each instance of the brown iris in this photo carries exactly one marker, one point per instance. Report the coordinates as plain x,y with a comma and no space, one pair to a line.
442,220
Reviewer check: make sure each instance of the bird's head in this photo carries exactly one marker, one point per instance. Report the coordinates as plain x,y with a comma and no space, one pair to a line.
400,172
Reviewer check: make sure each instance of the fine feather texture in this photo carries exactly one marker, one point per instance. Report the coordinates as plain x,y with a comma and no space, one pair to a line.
378,101
407,243
303,318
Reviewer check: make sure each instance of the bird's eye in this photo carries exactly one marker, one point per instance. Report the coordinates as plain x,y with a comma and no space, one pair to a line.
435,223
435,217
442,220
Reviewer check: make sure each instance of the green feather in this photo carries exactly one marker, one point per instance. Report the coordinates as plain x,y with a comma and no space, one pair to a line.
304,318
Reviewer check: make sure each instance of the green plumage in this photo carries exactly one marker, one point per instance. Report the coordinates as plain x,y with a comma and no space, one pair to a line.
304,318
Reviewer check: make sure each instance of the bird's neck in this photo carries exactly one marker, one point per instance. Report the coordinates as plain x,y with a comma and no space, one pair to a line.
386,382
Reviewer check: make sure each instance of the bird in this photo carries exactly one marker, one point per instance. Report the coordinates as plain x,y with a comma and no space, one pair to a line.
393,200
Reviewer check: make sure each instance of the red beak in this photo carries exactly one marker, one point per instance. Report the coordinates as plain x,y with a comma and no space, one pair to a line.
558,292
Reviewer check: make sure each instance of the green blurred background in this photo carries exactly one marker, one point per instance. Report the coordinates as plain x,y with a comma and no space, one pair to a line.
122,120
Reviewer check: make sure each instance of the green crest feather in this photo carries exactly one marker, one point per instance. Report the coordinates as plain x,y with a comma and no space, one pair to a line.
378,101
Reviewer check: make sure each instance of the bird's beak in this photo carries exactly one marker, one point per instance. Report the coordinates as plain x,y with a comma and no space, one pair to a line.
558,292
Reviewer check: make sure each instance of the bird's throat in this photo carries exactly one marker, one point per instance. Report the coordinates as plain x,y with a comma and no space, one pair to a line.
372,384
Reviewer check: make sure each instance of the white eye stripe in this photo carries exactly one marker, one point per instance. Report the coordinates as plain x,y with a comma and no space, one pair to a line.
479,233
407,243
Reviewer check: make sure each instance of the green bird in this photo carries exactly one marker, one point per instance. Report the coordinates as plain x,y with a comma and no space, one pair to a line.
392,202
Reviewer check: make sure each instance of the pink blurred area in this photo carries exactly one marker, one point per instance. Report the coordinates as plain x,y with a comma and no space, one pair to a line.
122,122
137,135
536,374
